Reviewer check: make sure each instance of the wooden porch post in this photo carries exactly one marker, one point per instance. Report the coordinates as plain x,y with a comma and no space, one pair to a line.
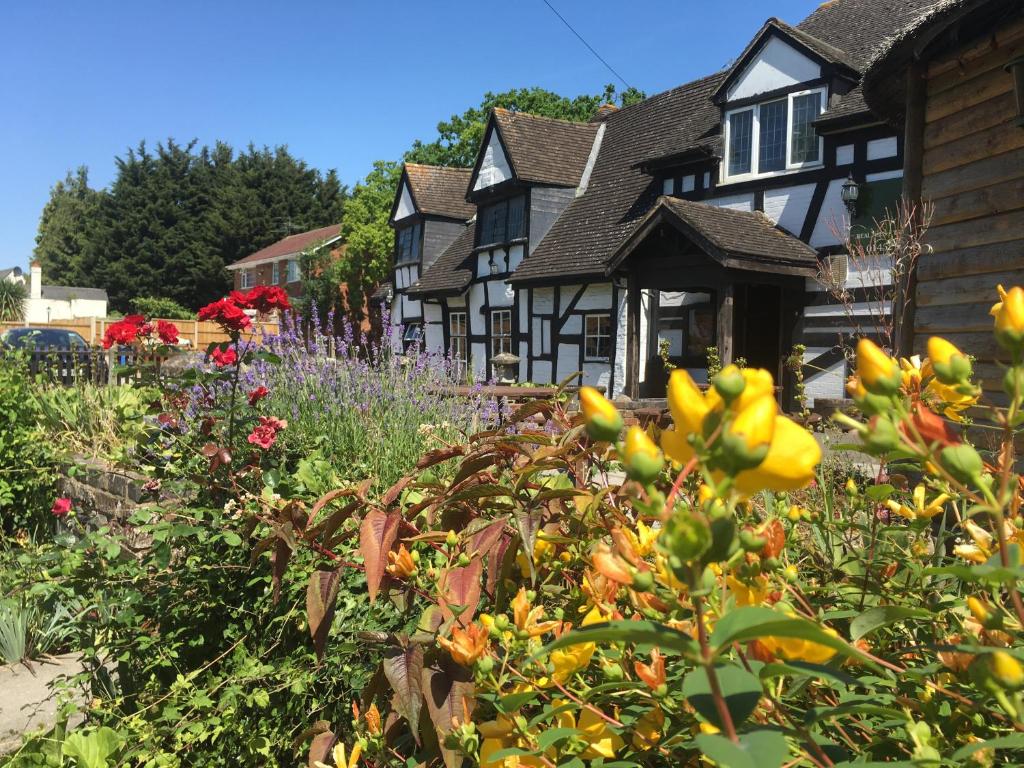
632,336
725,323
913,175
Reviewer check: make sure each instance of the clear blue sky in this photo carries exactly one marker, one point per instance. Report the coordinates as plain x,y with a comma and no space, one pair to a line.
341,83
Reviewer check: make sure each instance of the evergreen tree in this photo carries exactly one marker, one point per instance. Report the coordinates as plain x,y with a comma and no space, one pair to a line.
64,238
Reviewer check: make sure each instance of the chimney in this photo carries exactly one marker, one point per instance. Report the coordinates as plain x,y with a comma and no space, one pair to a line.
35,281
602,112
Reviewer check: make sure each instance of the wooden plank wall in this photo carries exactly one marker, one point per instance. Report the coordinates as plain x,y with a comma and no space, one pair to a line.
200,334
974,176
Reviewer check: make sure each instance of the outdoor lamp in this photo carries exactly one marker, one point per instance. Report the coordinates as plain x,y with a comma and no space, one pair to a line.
850,193
494,265
1016,69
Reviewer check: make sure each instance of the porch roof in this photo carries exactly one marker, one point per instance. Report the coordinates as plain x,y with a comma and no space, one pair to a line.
735,239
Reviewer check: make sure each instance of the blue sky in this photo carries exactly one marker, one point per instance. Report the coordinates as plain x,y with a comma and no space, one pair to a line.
341,83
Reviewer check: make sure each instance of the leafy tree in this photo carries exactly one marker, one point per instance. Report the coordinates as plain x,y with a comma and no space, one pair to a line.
156,306
13,297
64,242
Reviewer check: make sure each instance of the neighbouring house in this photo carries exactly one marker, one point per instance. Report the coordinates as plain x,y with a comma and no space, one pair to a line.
952,80
279,263
699,217
50,303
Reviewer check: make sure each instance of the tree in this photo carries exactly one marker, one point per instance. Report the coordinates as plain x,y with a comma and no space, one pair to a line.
66,229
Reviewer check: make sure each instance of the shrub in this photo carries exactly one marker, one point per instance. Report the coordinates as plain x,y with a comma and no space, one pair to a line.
13,300
158,306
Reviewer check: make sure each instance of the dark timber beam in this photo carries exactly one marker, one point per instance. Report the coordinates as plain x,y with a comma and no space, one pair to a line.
726,300
913,177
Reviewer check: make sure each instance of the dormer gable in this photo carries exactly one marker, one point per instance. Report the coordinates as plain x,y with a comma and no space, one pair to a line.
404,205
431,191
781,57
492,165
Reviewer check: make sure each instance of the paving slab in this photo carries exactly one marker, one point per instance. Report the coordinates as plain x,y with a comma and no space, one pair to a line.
28,700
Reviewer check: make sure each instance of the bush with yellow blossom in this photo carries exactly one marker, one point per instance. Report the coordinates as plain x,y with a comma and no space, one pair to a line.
586,594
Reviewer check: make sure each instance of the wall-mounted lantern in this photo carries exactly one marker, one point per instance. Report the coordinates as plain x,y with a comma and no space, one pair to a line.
1016,70
850,192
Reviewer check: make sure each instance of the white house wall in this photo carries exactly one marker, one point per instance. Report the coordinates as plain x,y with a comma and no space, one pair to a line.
433,328
776,65
741,202
494,168
405,204
788,206
51,310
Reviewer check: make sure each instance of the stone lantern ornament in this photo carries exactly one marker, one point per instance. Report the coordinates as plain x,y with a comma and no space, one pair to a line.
505,367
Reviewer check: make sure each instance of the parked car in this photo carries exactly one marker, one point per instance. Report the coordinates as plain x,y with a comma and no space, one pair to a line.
60,355
42,338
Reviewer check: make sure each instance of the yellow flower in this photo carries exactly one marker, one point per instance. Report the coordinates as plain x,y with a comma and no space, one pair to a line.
602,741
528,619
953,402
979,609
642,458
540,550
797,649
911,373
603,420
1009,316
338,753
676,446
921,508
611,565
568,661
466,645
686,402
971,552
1007,670
648,727
878,372
792,458
757,383
747,594
400,563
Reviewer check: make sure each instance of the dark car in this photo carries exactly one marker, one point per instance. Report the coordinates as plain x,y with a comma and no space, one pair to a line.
42,338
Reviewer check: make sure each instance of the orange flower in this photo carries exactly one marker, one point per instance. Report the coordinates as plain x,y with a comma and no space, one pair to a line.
652,674
400,563
611,565
528,619
466,645
373,721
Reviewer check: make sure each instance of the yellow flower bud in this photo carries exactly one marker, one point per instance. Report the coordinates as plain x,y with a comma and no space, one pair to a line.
978,609
951,366
687,402
794,513
642,458
1007,671
603,420
878,372
1009,317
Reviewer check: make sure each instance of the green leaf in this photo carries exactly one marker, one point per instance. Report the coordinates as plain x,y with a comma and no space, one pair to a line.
639,632
740,689
513,702
1001,742
879,492
232,539
92,750
883,615
553,736
805,669
759,749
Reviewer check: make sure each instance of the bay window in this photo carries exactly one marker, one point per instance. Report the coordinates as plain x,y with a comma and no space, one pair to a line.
774,136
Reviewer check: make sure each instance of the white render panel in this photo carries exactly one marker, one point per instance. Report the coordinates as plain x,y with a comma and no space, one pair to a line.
478,356
743,202
499,293
833,218
621,335
405,206
844,154
776,65
473,314
456,302
879,149
568,361
410,307
707,179
829,382
543,300
597,375
483,263
788,206
494,168
573,324
596,297
515,258
689,182
542,372
433,331
884,176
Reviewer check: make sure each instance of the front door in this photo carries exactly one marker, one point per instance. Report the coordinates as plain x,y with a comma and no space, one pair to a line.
681,327
758,327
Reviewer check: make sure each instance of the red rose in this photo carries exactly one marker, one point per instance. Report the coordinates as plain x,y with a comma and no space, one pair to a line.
265,433
61,506
168,332
228,313
123,331
258,394
262,298
224,357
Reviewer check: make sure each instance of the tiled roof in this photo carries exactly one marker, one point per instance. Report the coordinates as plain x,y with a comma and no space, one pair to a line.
291,245
849,107
69,293
452,272
440,191
619,194
543,150
739,239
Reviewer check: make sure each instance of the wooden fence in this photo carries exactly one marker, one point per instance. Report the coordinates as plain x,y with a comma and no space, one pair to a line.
198,334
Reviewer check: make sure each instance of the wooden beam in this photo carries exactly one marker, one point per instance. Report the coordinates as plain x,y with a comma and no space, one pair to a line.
913,174
633,337
726,342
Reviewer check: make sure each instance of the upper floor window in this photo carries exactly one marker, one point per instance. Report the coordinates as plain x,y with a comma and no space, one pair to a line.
407,244
775,136
502,222
292,271
245,279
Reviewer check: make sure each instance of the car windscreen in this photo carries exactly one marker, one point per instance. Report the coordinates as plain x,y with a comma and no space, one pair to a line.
40,338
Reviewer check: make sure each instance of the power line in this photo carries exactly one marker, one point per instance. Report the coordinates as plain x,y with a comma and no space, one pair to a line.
588,45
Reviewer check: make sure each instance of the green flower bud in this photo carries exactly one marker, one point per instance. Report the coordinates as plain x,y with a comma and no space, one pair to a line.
730,384
751,542
452,539
485,664
643,581
962,462
881,436
686,536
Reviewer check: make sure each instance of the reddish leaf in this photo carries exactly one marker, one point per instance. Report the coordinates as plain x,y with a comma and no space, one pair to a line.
932,427
448,690
494,560
377,535
403,667
320,748
324,500
483,541
392,494
320,597
432,458
279,564
530,409
459,591
209,450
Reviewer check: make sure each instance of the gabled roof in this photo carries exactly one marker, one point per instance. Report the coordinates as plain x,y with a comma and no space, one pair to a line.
736,239
438,190
69,293
846,111
803,41
541,150
453,270
292,245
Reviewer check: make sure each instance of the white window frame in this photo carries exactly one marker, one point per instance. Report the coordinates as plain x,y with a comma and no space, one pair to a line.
245,281
289,276
588,335
755,140
275,273
496,337
460,360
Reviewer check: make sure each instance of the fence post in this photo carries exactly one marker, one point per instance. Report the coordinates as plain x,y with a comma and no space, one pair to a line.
195,333
92,330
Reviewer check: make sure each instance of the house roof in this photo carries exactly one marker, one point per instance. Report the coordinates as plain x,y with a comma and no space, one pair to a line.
736,239
452,272
5,273
291,245
440,191
884,87
845,111
543,150
68,293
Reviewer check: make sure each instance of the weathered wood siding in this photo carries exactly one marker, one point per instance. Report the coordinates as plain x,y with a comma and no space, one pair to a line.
973,174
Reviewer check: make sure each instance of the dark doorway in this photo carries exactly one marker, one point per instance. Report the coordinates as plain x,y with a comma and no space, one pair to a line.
758,323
